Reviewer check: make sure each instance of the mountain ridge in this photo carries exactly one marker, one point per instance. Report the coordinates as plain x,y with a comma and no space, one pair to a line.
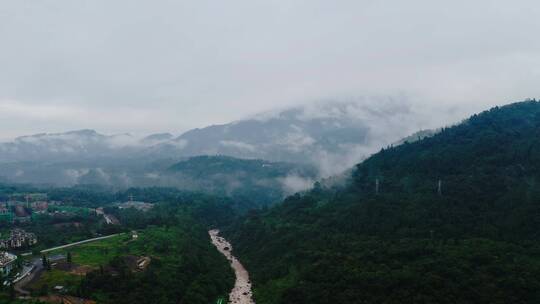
332,135
448,218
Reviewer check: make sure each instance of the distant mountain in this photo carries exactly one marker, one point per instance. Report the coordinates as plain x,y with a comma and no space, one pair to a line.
157,138
332,135
452,217
328,136
69,146
255,182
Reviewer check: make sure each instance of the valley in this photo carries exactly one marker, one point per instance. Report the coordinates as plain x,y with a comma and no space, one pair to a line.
449,215
269,152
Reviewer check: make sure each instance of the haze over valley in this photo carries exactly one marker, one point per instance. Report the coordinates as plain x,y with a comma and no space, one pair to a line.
297,146
269,152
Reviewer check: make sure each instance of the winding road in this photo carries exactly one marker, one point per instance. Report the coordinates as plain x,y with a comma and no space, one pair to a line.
241,293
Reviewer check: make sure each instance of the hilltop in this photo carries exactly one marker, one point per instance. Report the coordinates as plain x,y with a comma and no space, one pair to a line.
474,241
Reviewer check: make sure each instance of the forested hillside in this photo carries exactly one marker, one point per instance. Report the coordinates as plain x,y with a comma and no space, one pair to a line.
454,219
252,182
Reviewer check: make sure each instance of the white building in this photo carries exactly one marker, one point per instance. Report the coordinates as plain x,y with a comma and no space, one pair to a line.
7,262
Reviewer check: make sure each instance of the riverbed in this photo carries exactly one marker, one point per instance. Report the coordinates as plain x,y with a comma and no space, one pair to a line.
241,293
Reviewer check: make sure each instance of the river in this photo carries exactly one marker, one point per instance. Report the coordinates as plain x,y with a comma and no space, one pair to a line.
241,293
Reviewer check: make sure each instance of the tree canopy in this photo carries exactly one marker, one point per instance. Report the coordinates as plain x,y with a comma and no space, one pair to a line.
455,219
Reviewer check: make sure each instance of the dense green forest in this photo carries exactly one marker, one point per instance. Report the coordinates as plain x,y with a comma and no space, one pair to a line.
185,267
252,183
452,218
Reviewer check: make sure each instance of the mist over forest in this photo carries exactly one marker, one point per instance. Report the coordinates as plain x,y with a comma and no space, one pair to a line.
269,152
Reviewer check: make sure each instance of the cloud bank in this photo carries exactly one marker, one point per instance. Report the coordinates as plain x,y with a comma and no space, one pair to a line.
146,66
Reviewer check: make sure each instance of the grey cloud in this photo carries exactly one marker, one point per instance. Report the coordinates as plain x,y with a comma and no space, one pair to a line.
237,144
293,183
147,66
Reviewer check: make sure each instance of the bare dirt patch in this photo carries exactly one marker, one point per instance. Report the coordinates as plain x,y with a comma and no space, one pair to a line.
137,263
72,268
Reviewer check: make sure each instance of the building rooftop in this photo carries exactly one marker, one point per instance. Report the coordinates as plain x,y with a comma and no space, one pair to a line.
6,258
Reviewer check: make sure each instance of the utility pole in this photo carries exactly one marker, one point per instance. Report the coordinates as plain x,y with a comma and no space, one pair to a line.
439,188
377,186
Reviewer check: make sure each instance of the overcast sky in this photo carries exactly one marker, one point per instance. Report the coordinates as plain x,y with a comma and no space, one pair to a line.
147,66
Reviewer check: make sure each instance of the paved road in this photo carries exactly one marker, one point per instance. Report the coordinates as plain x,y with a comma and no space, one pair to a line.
37,267
80,242
241,293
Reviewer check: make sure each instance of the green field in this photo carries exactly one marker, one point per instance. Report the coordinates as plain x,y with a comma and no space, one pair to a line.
97,253
100,253
168,248
91,254
50,279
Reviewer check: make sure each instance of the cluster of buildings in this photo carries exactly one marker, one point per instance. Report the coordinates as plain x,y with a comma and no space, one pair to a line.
18,208
18,238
